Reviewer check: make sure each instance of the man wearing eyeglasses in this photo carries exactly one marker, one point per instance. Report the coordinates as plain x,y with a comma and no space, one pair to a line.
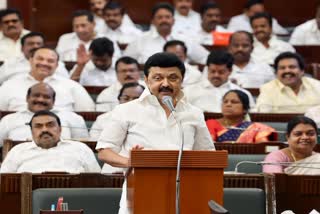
12,30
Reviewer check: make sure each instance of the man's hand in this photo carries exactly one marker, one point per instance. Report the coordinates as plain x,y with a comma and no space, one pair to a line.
82,55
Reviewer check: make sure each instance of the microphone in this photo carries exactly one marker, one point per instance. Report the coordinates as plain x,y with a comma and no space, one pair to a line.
167,101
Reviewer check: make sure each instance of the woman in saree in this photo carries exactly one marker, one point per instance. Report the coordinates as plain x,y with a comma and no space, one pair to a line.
234,125
298,157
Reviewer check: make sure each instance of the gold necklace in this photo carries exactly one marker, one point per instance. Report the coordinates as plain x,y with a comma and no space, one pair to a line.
292,155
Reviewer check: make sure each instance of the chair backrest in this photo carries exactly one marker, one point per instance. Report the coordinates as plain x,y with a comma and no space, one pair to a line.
244,200
91,200
281,127
234,159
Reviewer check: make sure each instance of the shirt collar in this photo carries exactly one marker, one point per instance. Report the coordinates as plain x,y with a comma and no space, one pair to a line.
154,34
314,26
52,77
207,84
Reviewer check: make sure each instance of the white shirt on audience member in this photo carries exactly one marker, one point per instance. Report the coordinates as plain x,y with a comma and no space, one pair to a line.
253,75
9,48
123,34
151,42
100,23
93,76
205,38
267,55
70,95
242,22
314,114
21,65
68,156
68,44
191,76
208,98
307,33
189,24
14,126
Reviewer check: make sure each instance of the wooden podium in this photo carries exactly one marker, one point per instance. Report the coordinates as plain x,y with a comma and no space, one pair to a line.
151,183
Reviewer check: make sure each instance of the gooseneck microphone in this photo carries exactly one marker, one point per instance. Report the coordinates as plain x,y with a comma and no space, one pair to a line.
167,101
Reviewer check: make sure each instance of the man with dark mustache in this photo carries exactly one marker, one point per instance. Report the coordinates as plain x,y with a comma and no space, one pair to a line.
291,92
41,97
114,28
127,71
95,68
12,31
266,45
207,94
187,21
245,71
48,152
70,95
152,41
147,123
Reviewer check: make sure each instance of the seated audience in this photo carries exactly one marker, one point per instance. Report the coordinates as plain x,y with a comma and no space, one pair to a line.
234,125
12,31
95,68
70,95
207,95
266,46
298,157
81,37
192,75
314,114
211,32
242,21
48,152
307,33
291,92
129,91
152,41
186,20
96,7
41,97
245,71
21,65
115,28
127,71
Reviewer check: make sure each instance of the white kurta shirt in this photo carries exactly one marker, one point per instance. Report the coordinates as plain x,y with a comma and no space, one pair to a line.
307,33
242,22
67,156
70,95
191,76
9,48
267,55
314,114
208,97
14,126
68,44
21,65
205,38
92,76
189,24
253,75
151,42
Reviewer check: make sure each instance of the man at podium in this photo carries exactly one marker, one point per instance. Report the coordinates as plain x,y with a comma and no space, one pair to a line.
148,123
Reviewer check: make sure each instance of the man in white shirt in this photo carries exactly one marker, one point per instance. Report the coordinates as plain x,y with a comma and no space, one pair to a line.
71,96
266,46
187,21
291,92
307,33
127,71
153,41
245,72
207,95
12,31
115,29
41,97
242,22
147,123
83,34
192,74
96,7
48,152
21,65
210,23
95,68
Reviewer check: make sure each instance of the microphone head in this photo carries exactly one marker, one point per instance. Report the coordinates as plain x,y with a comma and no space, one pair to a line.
167,101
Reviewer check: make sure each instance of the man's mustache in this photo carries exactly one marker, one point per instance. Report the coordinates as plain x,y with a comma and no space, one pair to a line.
164,24
165,89
45,133
39,103
128,78
288,73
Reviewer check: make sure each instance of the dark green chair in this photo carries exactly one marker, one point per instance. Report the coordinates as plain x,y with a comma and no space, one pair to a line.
234,159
